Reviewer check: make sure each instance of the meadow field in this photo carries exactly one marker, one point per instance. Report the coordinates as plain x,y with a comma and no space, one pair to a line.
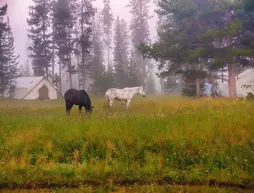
162,144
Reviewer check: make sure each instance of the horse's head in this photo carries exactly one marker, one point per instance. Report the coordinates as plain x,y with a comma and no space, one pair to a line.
90,110
141,91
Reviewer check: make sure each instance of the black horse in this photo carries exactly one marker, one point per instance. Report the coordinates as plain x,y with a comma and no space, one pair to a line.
77,97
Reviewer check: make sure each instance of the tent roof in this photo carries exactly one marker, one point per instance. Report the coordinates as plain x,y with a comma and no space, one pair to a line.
247,72
27,82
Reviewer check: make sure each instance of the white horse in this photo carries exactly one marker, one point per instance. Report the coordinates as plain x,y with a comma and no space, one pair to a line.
125,94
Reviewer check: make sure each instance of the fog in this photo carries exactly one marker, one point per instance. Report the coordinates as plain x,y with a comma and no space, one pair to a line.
18,13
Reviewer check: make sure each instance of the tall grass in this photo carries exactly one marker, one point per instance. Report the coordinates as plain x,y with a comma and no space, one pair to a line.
160,140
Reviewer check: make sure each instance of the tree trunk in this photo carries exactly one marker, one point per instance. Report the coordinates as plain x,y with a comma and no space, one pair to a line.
197,87
77,58
60,76
70,77
143,69
78,64
2,91
83,69
231,81
108,51
53,63
162,87
222,75
79,81
45,52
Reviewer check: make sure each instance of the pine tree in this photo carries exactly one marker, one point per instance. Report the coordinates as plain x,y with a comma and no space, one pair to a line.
190,86
133,68
172,84
63,35
205,35
40,37
107,19
11,58
86,15
226,47
4,78
140,33
110,77
97,67
53,43
179,29
247,17
107,80
76,33
121,53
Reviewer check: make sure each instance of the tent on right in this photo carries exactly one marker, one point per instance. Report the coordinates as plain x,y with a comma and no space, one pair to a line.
245,77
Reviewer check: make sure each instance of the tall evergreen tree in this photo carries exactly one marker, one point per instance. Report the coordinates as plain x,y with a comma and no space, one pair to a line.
224,35
247,17
107,19
76,33
63,35
179,30
96,65
40,36
4,79
85,19
172,84
190,86
140,33
105,81
202,34
133,68
53,42
109,77
121,53
11,58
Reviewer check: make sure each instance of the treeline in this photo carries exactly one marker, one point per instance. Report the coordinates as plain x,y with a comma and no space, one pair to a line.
203,41
8,59
75,37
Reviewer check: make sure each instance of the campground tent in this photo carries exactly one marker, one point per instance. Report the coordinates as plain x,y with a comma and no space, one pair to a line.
29,88
246,77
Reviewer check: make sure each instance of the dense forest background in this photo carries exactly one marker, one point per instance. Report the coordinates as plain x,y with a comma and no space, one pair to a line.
199,41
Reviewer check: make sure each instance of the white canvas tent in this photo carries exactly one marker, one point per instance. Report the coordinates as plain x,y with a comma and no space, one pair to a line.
29,88
246,77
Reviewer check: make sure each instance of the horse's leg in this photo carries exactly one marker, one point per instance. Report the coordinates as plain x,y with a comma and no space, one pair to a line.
80,109
110,103
109,107
127,104
68,106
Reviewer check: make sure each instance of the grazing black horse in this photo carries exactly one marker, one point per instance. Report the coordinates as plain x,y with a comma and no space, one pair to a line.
77,97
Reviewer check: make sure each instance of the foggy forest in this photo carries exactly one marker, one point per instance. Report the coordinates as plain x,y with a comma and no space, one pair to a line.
98,100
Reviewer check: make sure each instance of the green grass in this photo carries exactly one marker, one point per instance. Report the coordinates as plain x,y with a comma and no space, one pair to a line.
161,140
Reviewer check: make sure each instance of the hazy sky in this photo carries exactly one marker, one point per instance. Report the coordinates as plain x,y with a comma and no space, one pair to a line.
18,12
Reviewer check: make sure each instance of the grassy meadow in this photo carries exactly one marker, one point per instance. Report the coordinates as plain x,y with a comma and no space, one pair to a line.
161,145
